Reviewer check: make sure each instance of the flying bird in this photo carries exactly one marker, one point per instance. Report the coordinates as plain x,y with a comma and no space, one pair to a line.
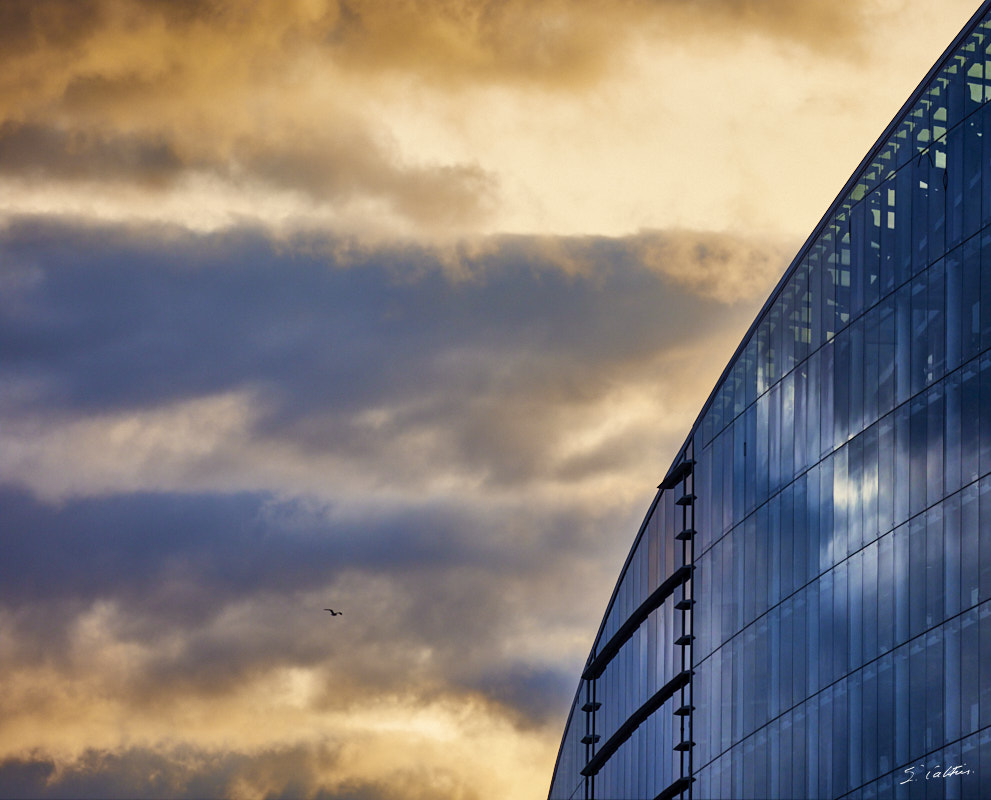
334,613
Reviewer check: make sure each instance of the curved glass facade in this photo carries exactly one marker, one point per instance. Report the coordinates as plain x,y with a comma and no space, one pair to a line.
806,610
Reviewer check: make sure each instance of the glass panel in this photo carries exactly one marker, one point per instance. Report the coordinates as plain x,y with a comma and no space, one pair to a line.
921,358
917,697
935,571
869,577
953,427
900,583
985,662
919,454
985,540
951,556
886,593
886,717
938,181
855,611
936,323
969,313
970,418
971,175
917,575
951,699
970,672
934,707
920,207
903,341
955,183
969,547
869,720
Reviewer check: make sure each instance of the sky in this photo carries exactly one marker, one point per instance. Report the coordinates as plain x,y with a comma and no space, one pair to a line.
398,307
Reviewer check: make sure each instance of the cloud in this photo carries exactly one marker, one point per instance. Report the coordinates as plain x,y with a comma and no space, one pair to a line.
209,439
334,169
549,40
109,93
132,772
183,772
179,362
178,647
724,266
33,150
816,25
393,747
308,771
313,112
174,593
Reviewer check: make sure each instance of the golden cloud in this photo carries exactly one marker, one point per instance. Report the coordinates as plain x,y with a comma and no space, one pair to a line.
293,97
108,47
728,267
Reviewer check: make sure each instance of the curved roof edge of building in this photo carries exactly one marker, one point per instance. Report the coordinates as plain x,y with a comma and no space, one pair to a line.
844,192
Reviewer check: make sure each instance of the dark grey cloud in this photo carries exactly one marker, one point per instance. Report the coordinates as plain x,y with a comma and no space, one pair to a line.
343,165
173,565
488,361
31,26
289,773
25,777
537,694
39,151
175,772
131,547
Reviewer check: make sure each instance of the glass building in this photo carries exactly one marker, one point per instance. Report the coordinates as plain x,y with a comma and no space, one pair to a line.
806,608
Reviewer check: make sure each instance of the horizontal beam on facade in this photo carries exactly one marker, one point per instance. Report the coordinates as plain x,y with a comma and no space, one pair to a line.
625,731
678,787
676,475
637,618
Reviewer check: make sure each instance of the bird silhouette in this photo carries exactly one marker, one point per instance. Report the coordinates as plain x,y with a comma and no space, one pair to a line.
334,613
